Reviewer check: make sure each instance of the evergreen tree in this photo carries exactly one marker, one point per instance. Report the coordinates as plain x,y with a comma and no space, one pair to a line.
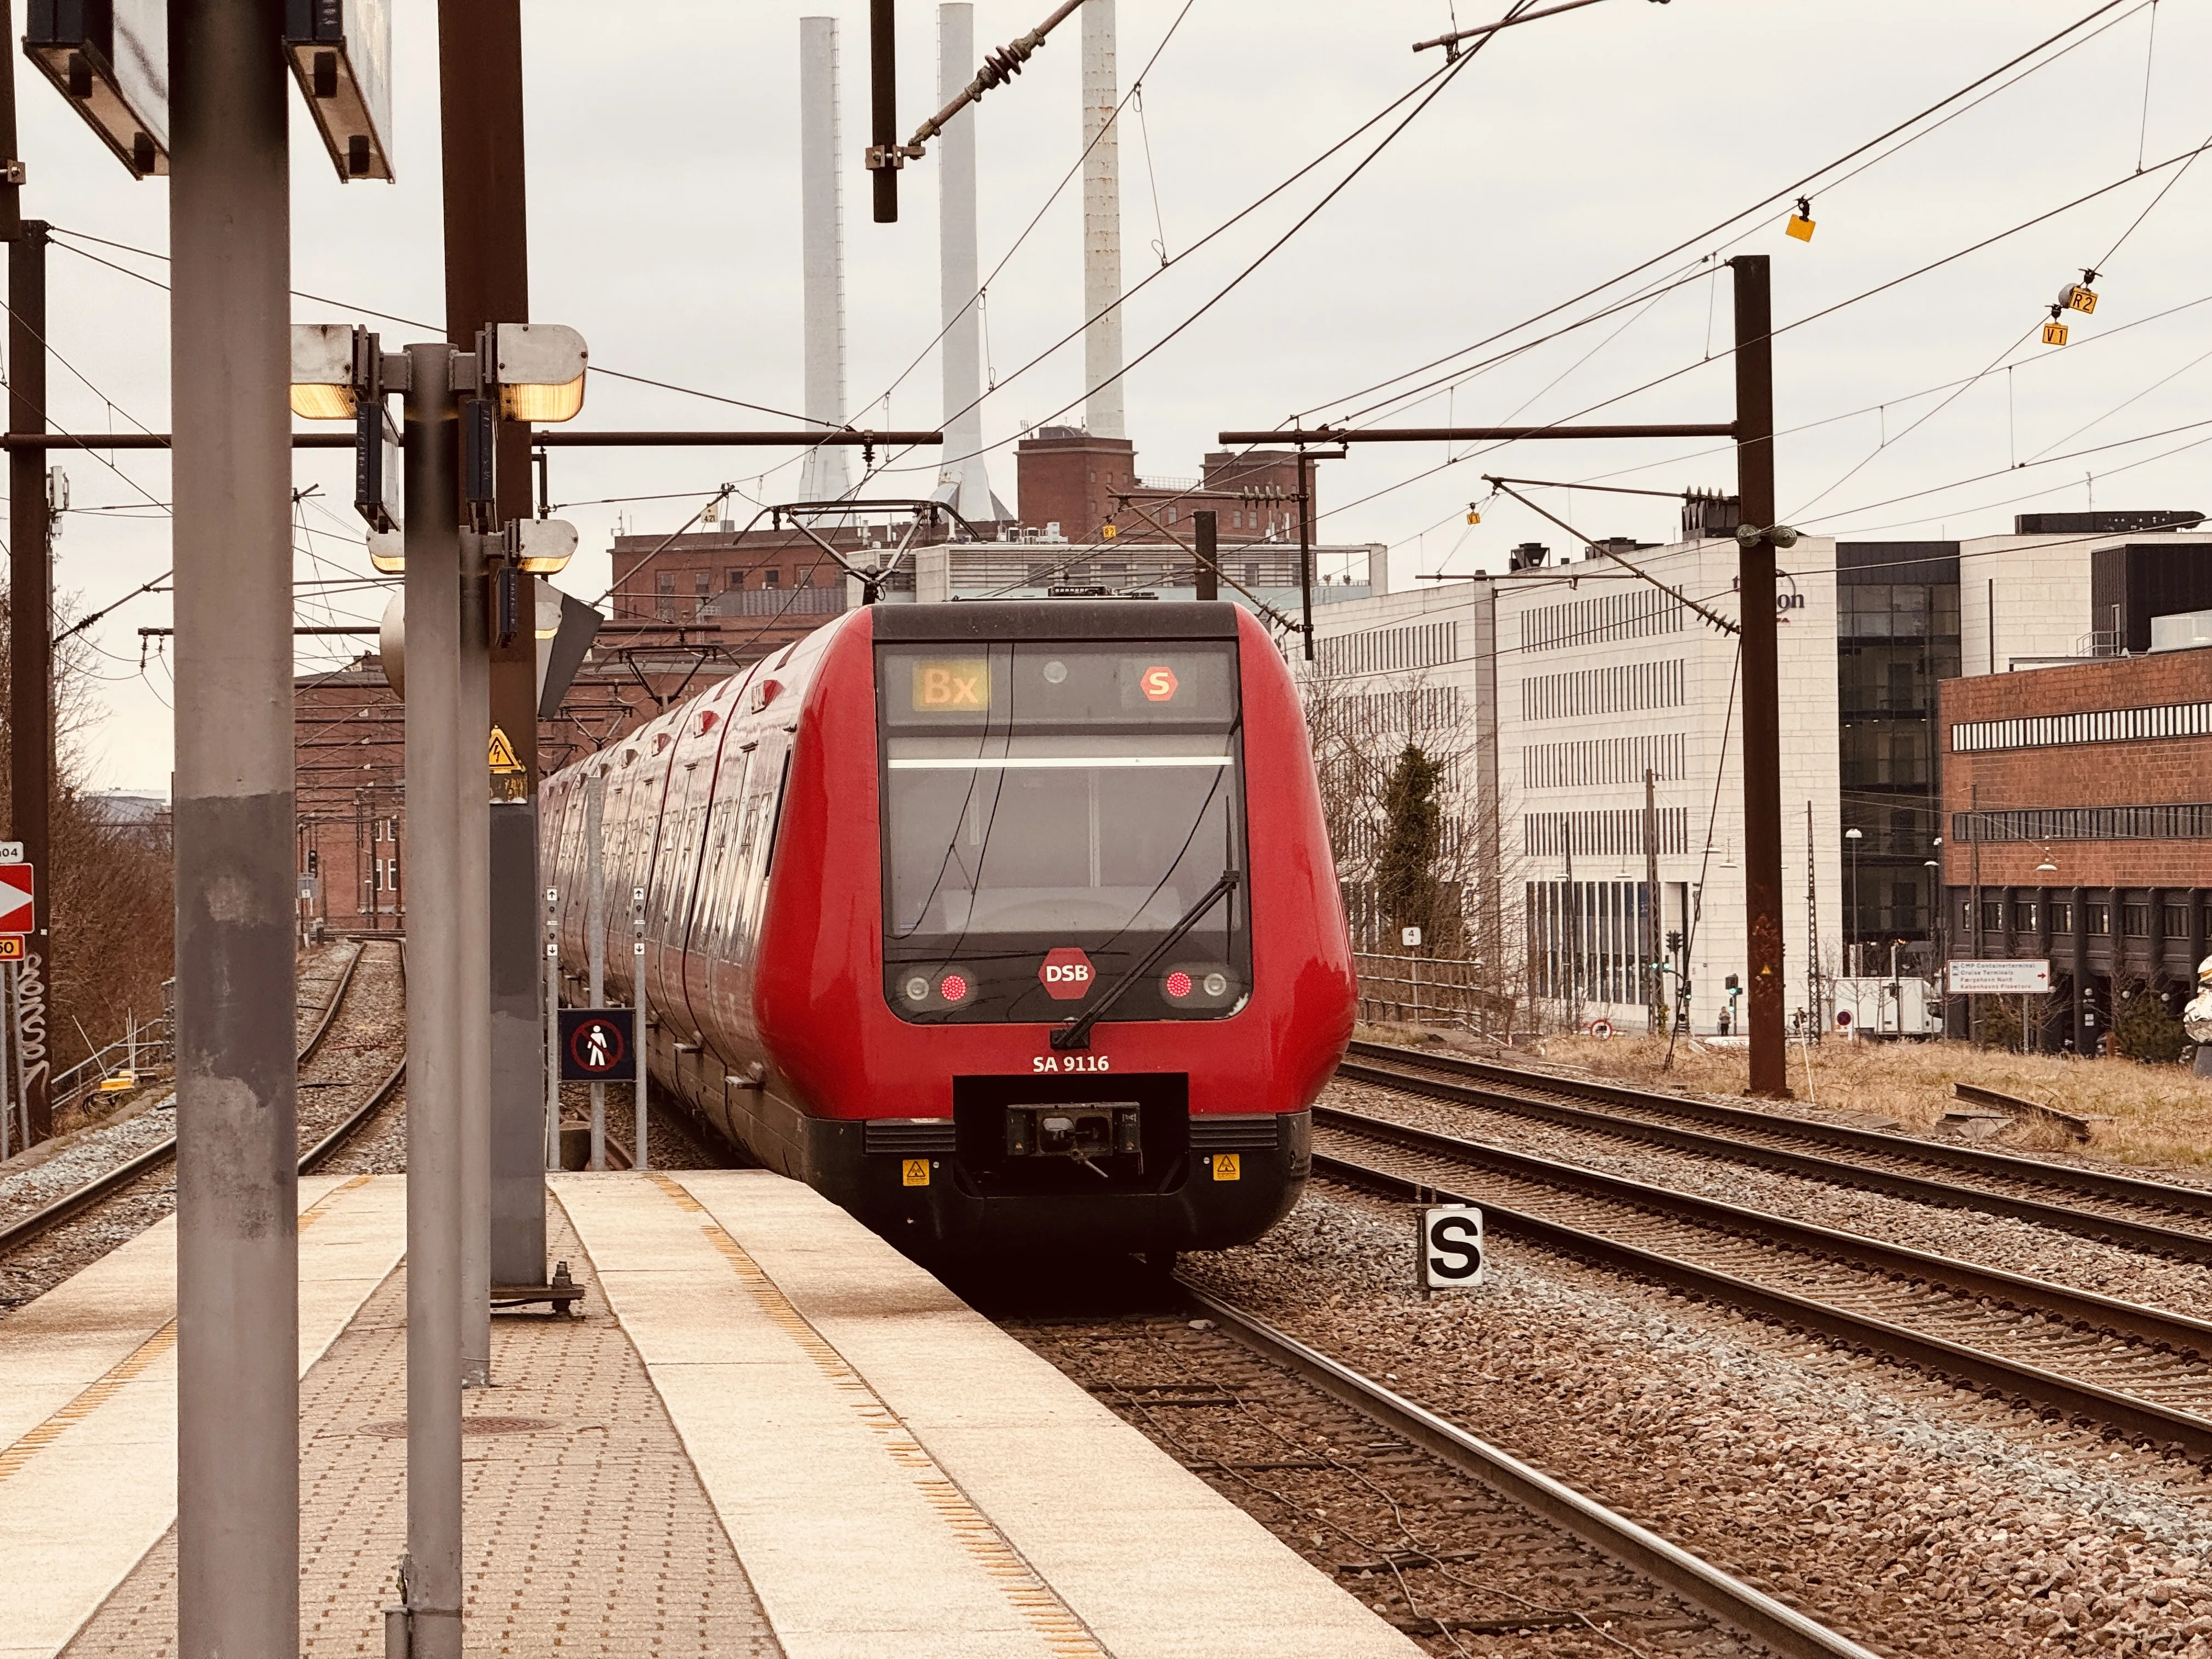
1405,878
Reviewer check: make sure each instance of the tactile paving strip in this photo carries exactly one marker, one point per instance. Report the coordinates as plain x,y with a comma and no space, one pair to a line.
591,1536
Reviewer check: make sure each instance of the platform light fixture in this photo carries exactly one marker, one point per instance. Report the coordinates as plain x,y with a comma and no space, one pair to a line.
341,55
323,374
542,547
110,59
539,368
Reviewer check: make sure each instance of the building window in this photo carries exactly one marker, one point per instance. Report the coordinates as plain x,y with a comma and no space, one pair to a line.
731,578
2061,917
700,584
2176,922
771,579
664,595
2023,917
2098,917
1992,915
2135,920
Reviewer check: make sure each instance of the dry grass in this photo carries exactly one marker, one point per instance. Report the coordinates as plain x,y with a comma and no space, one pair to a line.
2159,1115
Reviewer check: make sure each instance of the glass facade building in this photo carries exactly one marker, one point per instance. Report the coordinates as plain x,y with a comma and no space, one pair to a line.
1896,636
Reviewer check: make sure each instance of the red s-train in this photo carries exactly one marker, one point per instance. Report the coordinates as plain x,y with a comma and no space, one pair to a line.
996,922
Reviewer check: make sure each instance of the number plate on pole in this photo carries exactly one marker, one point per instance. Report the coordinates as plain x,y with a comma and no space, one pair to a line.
1452,1254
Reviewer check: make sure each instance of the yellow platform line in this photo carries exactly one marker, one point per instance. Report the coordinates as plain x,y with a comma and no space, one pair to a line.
1024,1590
111,1382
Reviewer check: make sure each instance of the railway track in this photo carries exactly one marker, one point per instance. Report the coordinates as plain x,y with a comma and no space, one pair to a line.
2158,1217
1439,1532
2139,1372
327,1122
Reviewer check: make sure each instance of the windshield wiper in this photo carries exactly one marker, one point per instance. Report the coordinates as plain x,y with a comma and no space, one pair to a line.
1077,1035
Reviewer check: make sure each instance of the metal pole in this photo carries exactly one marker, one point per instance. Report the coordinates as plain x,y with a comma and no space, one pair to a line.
488,280
30,621
237,1344
883,106
1206,541
595,935
11,190
1305,549
472,788
436,1047
8,1095
1654,995
552,1132
1762,713
643,1084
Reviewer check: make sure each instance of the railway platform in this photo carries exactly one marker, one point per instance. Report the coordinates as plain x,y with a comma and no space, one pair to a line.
768,1434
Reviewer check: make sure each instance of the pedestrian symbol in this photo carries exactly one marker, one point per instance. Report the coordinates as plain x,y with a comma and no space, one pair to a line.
594,1044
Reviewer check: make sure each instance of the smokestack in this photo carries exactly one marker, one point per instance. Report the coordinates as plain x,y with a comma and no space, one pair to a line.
825,474
1102,226
963,482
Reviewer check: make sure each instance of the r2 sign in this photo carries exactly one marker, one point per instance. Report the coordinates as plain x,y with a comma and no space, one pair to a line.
1452,1254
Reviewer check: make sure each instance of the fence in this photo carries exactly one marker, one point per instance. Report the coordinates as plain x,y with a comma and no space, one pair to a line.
1427,990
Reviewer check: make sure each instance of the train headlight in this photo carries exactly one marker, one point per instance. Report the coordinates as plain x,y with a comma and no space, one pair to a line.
953,988
1178,985
1217,985
917,989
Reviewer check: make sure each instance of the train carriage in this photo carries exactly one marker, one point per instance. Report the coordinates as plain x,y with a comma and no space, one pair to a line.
997,923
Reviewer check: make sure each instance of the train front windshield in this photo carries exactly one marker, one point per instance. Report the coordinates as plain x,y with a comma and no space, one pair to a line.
1051,811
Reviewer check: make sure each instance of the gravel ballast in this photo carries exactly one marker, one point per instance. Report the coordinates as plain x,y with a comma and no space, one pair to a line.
1911,1516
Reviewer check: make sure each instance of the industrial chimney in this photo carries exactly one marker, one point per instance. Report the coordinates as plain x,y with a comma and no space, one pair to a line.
965,485
825,475
1102,226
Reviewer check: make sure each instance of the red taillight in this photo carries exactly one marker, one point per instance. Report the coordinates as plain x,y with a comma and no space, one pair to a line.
1178,984
953,988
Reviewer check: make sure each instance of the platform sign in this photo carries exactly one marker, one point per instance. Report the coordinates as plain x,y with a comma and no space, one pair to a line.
1452,1253
595,1044
18,889
2029,976
11,947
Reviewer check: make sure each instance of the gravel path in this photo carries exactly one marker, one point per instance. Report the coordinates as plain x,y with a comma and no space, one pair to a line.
1913,1517
1969,1235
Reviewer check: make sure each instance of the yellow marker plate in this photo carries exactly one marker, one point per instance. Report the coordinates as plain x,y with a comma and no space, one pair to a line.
502,753
914,1171
1228,1166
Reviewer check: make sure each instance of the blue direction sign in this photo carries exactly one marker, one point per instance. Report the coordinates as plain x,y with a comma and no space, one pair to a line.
594,1044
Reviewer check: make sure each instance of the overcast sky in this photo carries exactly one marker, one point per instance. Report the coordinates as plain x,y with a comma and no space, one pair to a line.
664,221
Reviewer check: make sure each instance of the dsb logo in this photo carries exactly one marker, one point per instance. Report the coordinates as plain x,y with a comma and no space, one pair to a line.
1067,974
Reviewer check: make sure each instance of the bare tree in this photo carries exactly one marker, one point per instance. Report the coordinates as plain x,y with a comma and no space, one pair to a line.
1359,737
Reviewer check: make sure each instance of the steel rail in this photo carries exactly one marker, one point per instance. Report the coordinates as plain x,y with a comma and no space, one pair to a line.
2096,1183
2046,1391
2153,1326
330,1143
2088,1224
1705,1587
106,1184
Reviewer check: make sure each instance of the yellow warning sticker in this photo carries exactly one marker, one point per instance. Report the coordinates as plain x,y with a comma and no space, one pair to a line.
1228,1166
914,1171
502,753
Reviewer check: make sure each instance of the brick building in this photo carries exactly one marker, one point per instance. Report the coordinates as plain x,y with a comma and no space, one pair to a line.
1072,484
2078,813
349,756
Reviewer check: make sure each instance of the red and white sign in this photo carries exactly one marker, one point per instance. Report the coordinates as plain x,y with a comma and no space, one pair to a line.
17,886
1067,974
1159,684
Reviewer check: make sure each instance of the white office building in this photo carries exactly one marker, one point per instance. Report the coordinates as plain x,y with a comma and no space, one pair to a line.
1578,678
